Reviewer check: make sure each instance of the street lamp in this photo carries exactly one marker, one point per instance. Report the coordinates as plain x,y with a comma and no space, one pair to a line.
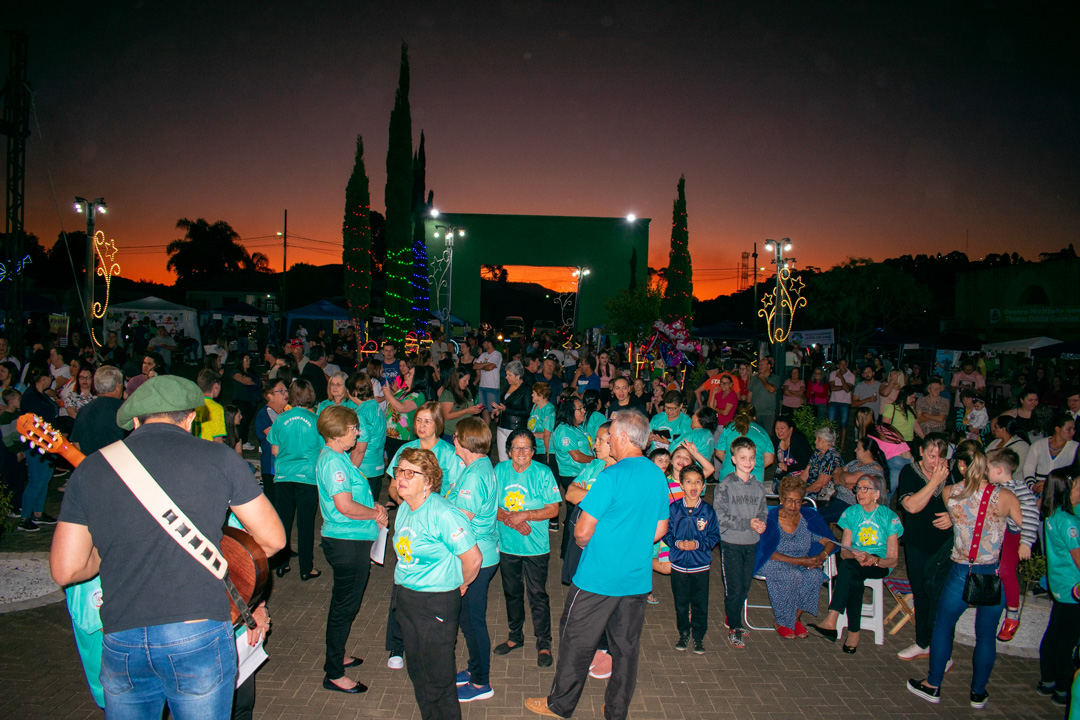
442,270
779,308
580,274
89,208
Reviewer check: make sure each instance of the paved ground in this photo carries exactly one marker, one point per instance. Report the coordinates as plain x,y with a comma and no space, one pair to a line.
772,678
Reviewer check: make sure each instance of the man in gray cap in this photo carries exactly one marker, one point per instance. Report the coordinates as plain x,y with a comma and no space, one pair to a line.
166,619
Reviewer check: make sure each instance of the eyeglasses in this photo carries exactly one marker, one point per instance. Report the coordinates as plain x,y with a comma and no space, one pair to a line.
400,472
280,391
863,488
526,449
673,407
353,428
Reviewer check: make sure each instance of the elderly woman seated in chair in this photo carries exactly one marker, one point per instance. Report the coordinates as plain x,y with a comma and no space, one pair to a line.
791,553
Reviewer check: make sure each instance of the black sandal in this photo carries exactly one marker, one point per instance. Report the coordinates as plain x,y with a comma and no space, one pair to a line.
304,577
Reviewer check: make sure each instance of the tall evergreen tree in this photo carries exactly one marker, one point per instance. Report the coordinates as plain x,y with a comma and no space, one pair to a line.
420,283
399,216
356,238
679,293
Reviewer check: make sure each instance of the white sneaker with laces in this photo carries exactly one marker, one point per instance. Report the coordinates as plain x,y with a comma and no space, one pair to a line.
396,662
913,651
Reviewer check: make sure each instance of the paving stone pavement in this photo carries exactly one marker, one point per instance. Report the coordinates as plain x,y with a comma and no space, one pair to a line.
772,678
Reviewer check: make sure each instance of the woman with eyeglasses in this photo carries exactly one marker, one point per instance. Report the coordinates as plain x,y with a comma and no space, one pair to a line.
437,561
351,522
476,496
528,497
276,397
872,531
78,393
572,454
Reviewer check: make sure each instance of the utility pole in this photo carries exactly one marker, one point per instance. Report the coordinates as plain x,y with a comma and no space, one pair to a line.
755,309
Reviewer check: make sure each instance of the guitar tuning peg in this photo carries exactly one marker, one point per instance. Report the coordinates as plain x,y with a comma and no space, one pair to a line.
41,451
23,439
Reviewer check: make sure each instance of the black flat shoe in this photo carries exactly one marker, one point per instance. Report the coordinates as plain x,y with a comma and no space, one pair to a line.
304,577
830,635
280,572
505,648
354,690
849,650
543,658
354,662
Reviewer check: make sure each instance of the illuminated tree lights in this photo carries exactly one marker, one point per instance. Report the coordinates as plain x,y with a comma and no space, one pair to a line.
105,251
399,212
677,303
356,238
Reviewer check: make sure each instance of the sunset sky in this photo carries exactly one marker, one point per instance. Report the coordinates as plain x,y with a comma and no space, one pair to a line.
866,129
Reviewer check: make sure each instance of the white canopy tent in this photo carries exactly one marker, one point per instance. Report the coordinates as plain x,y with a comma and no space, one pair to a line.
174,317
1024,346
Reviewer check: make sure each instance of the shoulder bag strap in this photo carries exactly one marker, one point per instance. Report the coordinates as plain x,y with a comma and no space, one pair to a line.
167,513
980,520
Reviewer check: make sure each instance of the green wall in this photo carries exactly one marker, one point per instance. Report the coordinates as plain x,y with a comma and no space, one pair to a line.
604,245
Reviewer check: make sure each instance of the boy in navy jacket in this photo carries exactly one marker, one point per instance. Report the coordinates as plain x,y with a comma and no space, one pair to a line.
693,531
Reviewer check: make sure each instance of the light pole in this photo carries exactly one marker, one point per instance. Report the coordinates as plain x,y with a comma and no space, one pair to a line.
779,327
90,208
579,273
442,270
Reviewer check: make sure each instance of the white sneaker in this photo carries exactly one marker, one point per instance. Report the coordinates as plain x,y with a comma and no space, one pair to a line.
913,651
396,662
247,446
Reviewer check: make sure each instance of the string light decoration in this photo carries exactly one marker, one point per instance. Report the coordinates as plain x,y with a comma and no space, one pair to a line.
105,251
677,303
778,308
17,268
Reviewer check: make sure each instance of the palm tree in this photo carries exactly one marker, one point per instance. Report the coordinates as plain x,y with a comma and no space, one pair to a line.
258,262
205,250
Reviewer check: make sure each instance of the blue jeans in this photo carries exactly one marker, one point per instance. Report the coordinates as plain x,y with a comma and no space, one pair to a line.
951,606
39,471
896,464
191,666
838,413
473,620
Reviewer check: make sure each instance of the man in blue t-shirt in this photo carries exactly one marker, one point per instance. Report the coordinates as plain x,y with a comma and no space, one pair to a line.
391,366
624,514
586,379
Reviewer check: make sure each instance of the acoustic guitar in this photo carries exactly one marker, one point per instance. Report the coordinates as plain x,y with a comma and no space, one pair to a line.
248,568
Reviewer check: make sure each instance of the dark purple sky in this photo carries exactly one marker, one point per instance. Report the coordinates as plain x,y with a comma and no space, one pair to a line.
873,130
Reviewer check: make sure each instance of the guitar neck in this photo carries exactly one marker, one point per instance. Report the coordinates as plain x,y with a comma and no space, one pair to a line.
40,435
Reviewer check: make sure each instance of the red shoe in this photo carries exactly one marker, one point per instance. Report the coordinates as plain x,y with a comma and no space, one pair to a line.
800,630
786,633
1008,630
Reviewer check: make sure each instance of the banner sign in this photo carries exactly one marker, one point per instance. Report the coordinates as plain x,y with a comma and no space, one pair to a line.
814,337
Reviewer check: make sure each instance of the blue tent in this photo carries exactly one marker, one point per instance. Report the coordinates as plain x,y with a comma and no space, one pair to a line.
318,310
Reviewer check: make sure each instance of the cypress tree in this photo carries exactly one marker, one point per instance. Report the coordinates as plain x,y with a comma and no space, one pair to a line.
399,217
679,293
356,239
419,279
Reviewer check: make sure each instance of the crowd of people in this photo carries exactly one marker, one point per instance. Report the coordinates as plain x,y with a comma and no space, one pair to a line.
491,448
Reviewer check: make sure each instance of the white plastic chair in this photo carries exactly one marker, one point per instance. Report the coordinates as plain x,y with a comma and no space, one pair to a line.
873,612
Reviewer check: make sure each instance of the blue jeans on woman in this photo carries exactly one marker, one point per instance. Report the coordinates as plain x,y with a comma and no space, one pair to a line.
192,666
473,620
951,606
896,464
39,471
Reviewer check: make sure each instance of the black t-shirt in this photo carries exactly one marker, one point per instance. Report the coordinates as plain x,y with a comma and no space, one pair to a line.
146,577
315,375
919,531
95,425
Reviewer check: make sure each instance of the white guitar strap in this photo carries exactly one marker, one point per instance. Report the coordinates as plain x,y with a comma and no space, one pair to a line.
167,513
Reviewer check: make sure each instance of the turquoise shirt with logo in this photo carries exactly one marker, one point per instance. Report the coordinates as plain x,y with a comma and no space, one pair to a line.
592,425
541,420
330,403
529,490
566,438
588,476
451,465
1062,534
372,429
870,531
477,493
677,427
427,542
700,438
628,500
298,443
336,474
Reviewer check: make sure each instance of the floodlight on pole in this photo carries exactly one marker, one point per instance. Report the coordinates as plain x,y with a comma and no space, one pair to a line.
89,208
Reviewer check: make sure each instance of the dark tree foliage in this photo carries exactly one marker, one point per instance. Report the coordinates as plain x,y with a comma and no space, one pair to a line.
679,292
356,238
399,212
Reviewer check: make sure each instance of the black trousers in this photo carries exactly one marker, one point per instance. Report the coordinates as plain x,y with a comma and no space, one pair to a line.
564,483
351,562
375,482
247,415
521,575
243,703
585,616
268,487
691,591
926,572
847,596
395,645
738,564
303,500
429,626
1056,649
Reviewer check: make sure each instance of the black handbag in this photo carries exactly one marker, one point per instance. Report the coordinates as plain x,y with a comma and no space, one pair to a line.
981,590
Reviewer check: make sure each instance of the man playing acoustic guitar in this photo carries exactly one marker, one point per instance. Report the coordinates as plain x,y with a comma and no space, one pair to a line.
168,635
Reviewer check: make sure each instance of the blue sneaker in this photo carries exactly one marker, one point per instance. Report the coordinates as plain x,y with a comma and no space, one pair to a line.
469,692
463,677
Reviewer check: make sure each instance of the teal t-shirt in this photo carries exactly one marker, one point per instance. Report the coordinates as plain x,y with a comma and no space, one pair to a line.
477,493
627,500
336,474
345,403
700,438
529,490
541,419
299,444
677,427
870,531
372,429
451,465
1062,533
762,442
592,424
588,476
563,440
427,542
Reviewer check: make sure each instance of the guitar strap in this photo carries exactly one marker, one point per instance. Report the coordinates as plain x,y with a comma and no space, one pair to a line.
173,520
